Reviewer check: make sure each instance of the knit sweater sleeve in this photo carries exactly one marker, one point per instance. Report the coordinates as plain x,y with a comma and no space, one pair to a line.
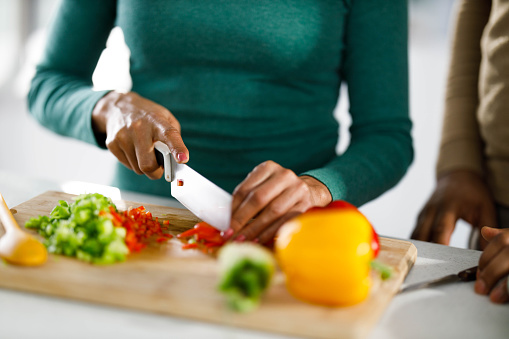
61,96
375,70
461,143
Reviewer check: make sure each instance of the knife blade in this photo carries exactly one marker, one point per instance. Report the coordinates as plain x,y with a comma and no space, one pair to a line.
199,195
466,275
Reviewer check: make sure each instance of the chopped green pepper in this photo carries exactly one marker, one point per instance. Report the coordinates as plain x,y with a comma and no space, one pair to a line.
83,230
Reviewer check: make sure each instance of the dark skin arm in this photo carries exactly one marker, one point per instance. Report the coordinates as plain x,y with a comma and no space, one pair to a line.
132,124
272,195
458,195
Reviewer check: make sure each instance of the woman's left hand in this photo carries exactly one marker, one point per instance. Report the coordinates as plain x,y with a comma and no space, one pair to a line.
268,197
493,271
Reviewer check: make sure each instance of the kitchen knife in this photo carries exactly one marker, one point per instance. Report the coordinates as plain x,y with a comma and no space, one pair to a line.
466,275
202,197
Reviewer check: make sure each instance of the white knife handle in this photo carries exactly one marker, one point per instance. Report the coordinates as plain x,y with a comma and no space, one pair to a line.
165,158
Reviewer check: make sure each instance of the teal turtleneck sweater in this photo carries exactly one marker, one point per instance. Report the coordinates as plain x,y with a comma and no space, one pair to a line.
249,81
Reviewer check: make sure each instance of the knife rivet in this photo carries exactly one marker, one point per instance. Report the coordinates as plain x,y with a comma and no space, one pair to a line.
180,182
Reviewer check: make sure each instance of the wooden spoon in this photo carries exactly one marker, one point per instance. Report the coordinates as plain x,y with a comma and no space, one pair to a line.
18,247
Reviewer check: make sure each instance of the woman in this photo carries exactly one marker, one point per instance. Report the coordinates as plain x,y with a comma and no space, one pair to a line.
236,85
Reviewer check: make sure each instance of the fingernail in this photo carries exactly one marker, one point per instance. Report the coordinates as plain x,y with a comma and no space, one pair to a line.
228,234
480,287
181,157
240,238
497,295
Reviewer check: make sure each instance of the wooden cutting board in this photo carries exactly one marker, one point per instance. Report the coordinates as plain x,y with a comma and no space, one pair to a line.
165,279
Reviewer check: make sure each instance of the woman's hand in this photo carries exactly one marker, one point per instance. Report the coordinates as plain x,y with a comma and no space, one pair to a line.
132,124
493,271
271,195
458,195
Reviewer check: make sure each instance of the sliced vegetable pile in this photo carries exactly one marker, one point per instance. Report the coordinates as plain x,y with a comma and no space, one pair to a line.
203,237
91,229
139,226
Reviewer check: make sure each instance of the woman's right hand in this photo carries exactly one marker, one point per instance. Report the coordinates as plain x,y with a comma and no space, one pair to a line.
132,124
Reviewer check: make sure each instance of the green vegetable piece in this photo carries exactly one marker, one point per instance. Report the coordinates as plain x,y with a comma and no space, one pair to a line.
246,270
92,247
61,211
384,270
83,229
38,223
105,231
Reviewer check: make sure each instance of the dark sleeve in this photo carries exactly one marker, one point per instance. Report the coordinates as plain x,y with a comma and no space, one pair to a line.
61,96
375,69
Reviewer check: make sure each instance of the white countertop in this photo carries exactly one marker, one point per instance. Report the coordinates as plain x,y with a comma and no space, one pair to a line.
452,311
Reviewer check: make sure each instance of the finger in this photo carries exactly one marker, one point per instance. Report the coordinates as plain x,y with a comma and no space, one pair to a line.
275,210
170,135
424,222
496,245
443,227
488,217
500,293
495,270
257,200
119,154
255,178
146,158
488,233
269,233
130,154
482,243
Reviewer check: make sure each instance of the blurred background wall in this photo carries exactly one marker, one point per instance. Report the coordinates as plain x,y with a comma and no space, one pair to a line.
30,151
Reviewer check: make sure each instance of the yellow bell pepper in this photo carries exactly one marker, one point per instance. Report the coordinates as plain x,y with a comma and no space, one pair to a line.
325,254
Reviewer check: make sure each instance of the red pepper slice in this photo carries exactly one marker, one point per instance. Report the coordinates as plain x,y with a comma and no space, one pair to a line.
202,230
187,234
217,238
205,230
204,235
188,246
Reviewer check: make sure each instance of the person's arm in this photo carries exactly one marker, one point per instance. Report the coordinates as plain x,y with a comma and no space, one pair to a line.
375,69
461,144
461,192
61,96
